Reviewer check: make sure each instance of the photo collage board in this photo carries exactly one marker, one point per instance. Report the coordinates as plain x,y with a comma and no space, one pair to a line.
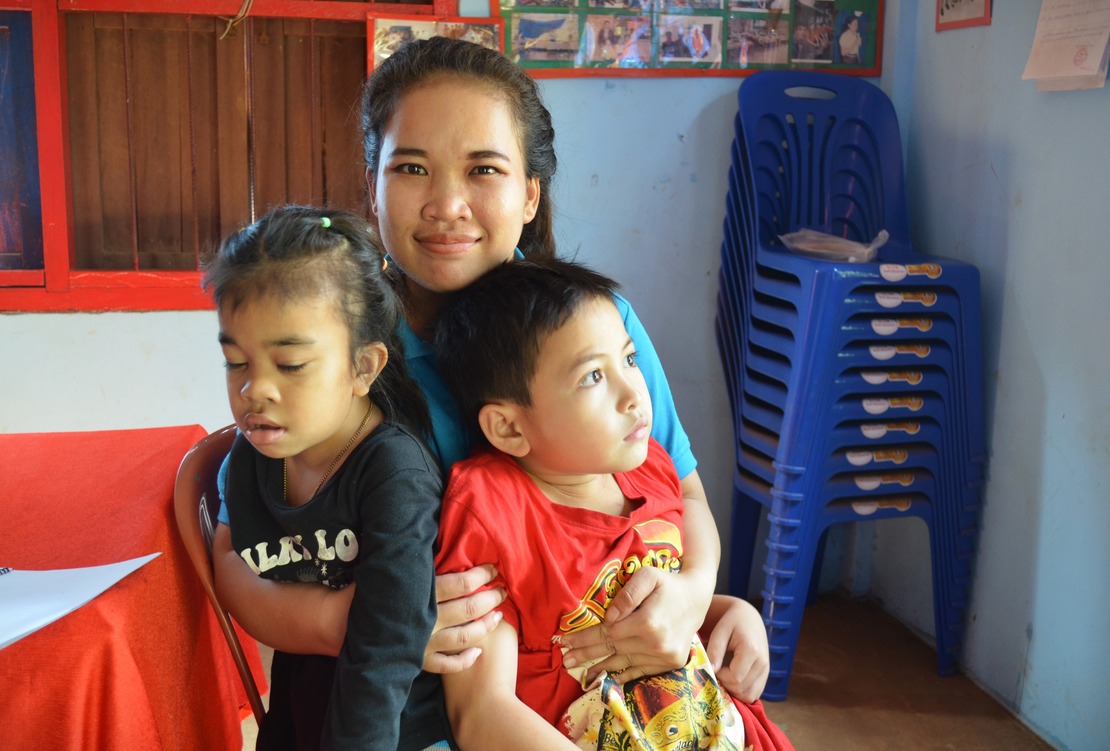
565,38
731,37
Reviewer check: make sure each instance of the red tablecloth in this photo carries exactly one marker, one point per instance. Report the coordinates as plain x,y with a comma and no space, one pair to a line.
143,666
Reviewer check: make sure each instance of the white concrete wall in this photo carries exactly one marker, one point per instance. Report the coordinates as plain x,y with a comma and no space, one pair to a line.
1017,182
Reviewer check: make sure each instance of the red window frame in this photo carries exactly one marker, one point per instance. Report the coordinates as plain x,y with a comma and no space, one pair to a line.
58,286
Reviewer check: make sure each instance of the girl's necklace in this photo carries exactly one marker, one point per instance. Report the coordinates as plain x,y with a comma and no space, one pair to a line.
327,472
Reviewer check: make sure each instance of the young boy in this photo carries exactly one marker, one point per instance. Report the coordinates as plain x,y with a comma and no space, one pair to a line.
571,497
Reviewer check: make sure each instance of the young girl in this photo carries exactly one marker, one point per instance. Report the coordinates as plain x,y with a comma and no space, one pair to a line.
460,155
327,482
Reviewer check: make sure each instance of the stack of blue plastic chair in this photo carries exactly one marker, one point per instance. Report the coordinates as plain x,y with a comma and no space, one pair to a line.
855,387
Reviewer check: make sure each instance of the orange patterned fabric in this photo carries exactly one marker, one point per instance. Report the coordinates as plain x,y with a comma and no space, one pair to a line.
144,665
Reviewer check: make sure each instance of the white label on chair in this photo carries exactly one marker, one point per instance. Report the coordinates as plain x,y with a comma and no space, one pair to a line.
892,272
884,326
889,299
868,482
875,406
871,482
858,458
875,430
866,508
887,351
896,272
875,377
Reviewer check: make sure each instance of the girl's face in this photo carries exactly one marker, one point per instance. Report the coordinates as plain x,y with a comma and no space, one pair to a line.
292,387
450,196
590,411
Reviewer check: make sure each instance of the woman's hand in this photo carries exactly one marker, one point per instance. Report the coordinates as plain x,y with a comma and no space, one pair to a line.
464,619
737,647
648,629
651,622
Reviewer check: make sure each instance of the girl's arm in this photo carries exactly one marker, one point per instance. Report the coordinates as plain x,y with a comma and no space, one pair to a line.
464,616
483,708
262,606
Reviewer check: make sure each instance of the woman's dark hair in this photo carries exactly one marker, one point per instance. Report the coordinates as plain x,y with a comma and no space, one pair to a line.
489,334
422,61
299,251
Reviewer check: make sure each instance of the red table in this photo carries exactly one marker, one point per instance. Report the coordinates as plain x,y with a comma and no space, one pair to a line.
144,665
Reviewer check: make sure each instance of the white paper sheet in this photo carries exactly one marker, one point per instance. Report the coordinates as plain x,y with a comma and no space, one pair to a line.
1071,41
30,600
1073,83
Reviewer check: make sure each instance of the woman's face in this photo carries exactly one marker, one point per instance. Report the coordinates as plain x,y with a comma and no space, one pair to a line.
450,196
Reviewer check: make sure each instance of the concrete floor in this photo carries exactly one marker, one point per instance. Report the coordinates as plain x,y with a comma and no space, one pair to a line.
864,682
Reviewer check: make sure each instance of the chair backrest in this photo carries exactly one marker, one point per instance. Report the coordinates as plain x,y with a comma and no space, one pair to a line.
821,151
196,504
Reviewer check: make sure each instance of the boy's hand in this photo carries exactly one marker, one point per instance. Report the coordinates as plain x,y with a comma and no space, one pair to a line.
464,618
739,637
648,629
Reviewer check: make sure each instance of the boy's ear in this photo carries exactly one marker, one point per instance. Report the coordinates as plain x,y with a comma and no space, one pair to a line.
369,363
500,423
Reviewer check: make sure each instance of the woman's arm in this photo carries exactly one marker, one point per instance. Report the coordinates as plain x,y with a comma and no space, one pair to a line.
483,708
463,620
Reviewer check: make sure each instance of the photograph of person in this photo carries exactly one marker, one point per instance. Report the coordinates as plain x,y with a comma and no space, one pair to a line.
758,41
690,39
624,41
813,31
851,33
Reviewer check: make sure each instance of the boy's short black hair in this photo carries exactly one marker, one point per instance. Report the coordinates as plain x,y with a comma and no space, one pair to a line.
489,334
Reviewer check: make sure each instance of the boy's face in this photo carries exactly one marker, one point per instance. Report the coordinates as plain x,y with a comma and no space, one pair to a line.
590,412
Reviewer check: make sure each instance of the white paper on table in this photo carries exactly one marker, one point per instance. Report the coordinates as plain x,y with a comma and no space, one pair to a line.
1071,39
30,600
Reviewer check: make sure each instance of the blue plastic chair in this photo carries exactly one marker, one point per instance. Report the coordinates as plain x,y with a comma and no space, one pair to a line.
855,388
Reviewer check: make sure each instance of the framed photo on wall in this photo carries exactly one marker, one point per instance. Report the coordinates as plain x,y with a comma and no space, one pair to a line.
958,14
